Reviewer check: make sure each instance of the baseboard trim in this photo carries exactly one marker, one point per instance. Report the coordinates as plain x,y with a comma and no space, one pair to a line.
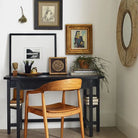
125,127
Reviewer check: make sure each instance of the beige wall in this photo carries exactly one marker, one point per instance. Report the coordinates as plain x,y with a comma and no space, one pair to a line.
100,13
127,98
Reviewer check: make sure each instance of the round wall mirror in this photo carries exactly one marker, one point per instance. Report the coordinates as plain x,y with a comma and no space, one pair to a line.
127,30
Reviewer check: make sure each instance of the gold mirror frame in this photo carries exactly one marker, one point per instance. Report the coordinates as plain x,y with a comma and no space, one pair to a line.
128,54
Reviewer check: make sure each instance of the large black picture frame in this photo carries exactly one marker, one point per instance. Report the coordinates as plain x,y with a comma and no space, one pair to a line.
18,42
48,14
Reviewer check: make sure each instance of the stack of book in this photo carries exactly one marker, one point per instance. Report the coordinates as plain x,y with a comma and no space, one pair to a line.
13,103
95,100
83,72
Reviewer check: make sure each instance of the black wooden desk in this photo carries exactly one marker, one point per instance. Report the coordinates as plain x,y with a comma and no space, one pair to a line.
33,82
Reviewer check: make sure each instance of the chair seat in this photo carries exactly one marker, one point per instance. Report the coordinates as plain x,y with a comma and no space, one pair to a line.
57,108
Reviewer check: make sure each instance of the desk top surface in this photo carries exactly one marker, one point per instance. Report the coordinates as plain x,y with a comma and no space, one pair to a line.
43,76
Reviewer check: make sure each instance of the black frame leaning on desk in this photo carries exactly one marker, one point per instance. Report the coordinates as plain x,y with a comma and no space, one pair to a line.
33,82
43,43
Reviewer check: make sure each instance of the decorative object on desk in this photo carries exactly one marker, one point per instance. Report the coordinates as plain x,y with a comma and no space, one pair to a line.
96,65
57,65
79,39
23,19
30,74
28,65
48,14
84,62
34,70
15,67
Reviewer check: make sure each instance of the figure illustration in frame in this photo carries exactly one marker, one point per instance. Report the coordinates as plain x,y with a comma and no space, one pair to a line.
48,14
79,39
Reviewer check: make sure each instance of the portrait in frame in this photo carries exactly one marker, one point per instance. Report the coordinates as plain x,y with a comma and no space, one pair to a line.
79,39
48,14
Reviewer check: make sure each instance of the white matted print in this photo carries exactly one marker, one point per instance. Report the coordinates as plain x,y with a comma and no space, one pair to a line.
42,46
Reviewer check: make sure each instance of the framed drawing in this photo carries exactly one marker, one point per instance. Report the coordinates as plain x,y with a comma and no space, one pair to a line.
31,47
48,14
79,39
57,65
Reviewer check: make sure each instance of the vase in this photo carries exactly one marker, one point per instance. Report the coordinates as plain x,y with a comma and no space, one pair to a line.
83,65
28,69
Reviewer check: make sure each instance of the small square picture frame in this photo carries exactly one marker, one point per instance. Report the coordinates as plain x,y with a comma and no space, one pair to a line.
57,65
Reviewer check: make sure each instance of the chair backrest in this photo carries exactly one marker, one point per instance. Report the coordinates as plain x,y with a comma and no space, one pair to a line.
61,85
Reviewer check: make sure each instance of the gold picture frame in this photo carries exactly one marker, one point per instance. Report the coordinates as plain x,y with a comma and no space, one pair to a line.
57,65
48,14
79,39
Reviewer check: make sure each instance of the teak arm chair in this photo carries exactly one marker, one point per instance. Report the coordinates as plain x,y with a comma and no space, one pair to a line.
58,109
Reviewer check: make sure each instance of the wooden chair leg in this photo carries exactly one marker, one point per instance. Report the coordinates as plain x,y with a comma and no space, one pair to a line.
46,127
26,116
45,117
81,114
62,118
81,124
62,127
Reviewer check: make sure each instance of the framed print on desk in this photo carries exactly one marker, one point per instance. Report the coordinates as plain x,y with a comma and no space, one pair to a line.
48,14
37,47
79,39
57,65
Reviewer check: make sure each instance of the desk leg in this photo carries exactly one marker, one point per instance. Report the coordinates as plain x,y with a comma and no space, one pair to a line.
18,110
91,113
84,108
98,108
8,108
21,117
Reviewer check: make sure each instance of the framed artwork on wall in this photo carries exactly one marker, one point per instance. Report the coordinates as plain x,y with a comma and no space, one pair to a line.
57,65
79,39
48,14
